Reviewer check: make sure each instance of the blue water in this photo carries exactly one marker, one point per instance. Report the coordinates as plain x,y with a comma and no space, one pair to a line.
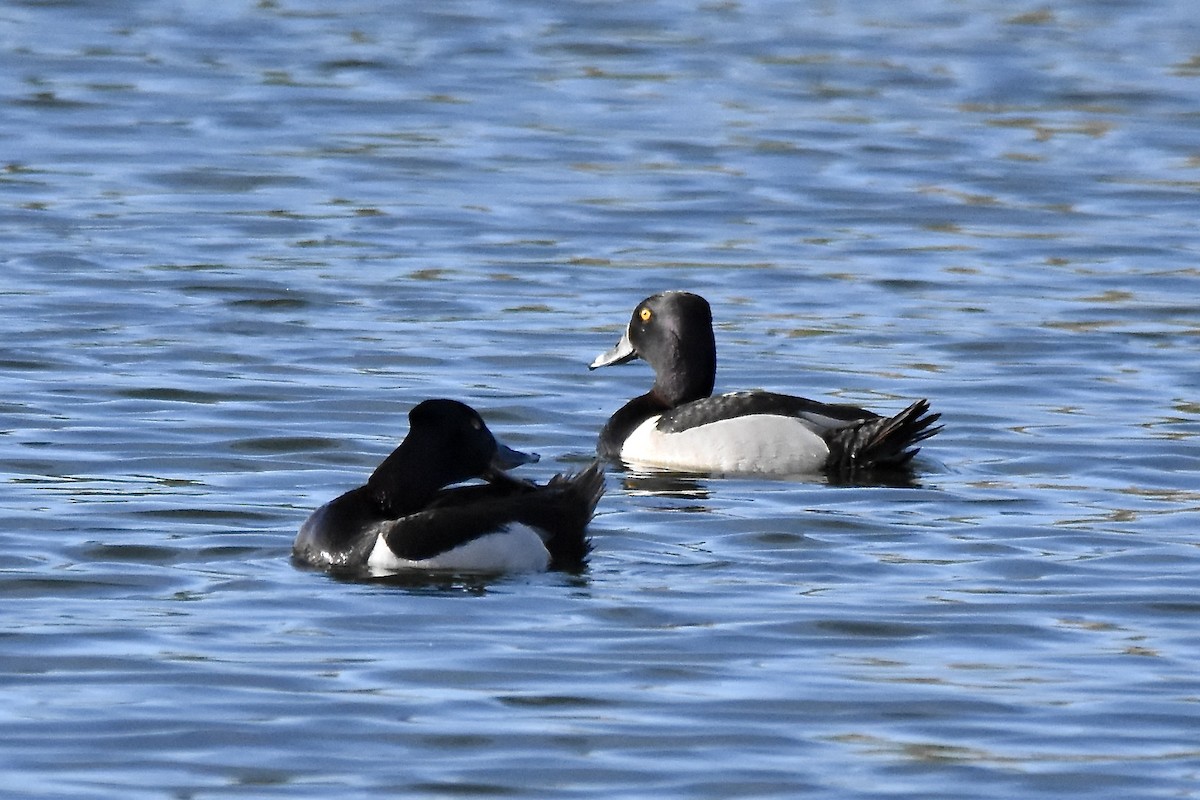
242,239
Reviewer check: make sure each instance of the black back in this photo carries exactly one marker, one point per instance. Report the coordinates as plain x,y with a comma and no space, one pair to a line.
407,502
447,442
672,331
559,511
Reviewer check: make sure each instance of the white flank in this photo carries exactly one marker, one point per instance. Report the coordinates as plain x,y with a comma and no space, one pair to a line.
516,548
763,443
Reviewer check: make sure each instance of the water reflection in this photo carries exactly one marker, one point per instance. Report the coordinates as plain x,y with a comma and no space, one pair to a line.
651,483
442,581
641,481
423,582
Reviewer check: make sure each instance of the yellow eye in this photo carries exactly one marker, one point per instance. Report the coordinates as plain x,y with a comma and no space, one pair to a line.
645,314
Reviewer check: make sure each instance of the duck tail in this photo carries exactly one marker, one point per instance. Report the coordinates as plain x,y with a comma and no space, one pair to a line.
881,442
569,544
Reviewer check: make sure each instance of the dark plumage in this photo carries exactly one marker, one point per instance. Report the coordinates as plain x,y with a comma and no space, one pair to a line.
405,517
679,425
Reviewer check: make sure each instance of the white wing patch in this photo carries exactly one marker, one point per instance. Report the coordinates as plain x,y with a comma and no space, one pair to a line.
763,443
516,548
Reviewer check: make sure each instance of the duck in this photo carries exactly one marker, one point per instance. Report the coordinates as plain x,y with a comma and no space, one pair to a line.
680,426
409,516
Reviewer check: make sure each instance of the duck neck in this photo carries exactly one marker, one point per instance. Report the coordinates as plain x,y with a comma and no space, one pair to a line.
407,479
681,380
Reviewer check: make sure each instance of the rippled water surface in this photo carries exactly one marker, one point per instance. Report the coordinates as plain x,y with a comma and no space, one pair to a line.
241,239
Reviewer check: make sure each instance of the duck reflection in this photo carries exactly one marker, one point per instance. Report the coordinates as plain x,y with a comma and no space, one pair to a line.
643,482
679,485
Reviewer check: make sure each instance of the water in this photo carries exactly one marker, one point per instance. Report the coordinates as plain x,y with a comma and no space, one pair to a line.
242,239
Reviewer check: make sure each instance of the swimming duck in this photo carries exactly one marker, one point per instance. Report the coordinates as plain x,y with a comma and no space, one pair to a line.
678,425
404,517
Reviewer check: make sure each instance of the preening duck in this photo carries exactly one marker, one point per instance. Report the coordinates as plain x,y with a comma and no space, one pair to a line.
404,517
679,425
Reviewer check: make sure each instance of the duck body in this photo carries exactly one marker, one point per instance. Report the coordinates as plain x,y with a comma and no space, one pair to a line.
408,517
679,425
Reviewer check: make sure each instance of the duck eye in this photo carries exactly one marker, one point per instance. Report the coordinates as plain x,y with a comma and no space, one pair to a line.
645,315
476,424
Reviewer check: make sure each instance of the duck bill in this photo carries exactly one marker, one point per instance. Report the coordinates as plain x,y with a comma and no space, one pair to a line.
623,353
507,458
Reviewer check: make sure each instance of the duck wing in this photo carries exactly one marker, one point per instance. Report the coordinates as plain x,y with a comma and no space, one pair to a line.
858,439
559,511
820,417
